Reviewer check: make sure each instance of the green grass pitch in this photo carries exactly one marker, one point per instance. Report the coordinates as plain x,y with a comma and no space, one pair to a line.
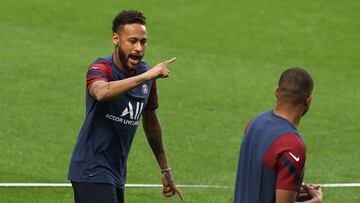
229,56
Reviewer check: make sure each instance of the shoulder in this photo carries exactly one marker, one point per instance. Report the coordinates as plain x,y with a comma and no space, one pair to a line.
264,126
263,118
290,141
289,145
102,65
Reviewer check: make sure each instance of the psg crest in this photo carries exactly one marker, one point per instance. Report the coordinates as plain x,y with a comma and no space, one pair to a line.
145,89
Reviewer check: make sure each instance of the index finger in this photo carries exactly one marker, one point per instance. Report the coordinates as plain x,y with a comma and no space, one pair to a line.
178,191
169,61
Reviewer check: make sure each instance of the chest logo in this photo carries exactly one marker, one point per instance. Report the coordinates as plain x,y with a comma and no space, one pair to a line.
145,89
134,113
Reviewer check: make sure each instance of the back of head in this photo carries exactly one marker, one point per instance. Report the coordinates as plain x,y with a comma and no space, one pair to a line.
127,17
295,86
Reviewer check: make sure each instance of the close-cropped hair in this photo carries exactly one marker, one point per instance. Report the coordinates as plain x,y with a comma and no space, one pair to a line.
295,85
127,17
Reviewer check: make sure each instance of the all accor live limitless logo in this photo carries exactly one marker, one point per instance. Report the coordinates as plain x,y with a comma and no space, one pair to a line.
133,115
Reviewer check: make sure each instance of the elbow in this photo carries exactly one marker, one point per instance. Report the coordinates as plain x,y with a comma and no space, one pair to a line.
98,91
98,96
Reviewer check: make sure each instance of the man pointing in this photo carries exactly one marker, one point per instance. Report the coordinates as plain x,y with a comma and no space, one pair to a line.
120,88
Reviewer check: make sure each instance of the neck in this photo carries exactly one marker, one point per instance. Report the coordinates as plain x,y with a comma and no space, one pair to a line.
291,113
119,65
117,62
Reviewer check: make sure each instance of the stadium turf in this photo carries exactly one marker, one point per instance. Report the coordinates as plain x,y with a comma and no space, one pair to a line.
229,57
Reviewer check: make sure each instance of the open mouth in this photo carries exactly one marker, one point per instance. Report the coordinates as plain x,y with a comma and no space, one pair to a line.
134,59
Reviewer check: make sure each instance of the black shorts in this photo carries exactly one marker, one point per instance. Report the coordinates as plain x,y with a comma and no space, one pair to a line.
97,193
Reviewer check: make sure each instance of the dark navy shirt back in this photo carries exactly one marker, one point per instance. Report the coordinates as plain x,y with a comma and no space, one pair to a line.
266,162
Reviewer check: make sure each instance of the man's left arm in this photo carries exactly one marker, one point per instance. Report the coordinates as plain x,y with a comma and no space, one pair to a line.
153,133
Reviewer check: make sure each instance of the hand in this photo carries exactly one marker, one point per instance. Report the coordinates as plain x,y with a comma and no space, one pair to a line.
169,188
303,195
314,192
160,70
310,193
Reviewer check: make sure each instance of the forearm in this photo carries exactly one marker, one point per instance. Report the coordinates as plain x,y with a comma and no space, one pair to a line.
153,133
102,90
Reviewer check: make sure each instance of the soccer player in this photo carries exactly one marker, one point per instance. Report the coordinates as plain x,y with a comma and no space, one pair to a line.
120,89
272,154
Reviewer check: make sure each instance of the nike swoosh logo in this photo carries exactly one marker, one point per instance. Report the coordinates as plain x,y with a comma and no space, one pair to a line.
94,173
293,156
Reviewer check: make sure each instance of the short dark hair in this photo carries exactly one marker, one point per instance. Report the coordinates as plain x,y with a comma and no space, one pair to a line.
295,85
127,17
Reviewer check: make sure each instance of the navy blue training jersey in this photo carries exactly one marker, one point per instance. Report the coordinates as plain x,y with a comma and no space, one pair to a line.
104,141
272,156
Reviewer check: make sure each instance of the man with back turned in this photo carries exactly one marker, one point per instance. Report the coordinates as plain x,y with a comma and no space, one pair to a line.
272,154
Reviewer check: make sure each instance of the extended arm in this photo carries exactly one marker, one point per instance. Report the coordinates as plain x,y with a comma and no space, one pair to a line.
103,90
153,133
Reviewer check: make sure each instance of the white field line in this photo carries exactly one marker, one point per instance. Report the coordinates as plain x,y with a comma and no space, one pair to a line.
3,185
340,185
29,185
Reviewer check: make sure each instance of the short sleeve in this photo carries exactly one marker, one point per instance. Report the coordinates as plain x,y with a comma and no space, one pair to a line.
97,72
286,156
152,103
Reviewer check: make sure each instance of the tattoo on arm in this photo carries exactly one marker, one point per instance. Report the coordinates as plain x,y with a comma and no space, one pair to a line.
95,85
153,133
96,89
142,78
156,145
139,81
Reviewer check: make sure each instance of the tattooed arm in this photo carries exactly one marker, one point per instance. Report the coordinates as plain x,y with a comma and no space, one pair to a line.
102,90
153,133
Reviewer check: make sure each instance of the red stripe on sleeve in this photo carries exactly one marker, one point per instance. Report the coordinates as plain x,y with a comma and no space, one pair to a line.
98,71
294,149
91,79
152,103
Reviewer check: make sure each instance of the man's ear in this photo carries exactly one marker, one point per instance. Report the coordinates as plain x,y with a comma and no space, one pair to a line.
308,100
277,92
116,38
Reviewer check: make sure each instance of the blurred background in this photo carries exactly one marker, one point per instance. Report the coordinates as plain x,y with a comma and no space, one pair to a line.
230,55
